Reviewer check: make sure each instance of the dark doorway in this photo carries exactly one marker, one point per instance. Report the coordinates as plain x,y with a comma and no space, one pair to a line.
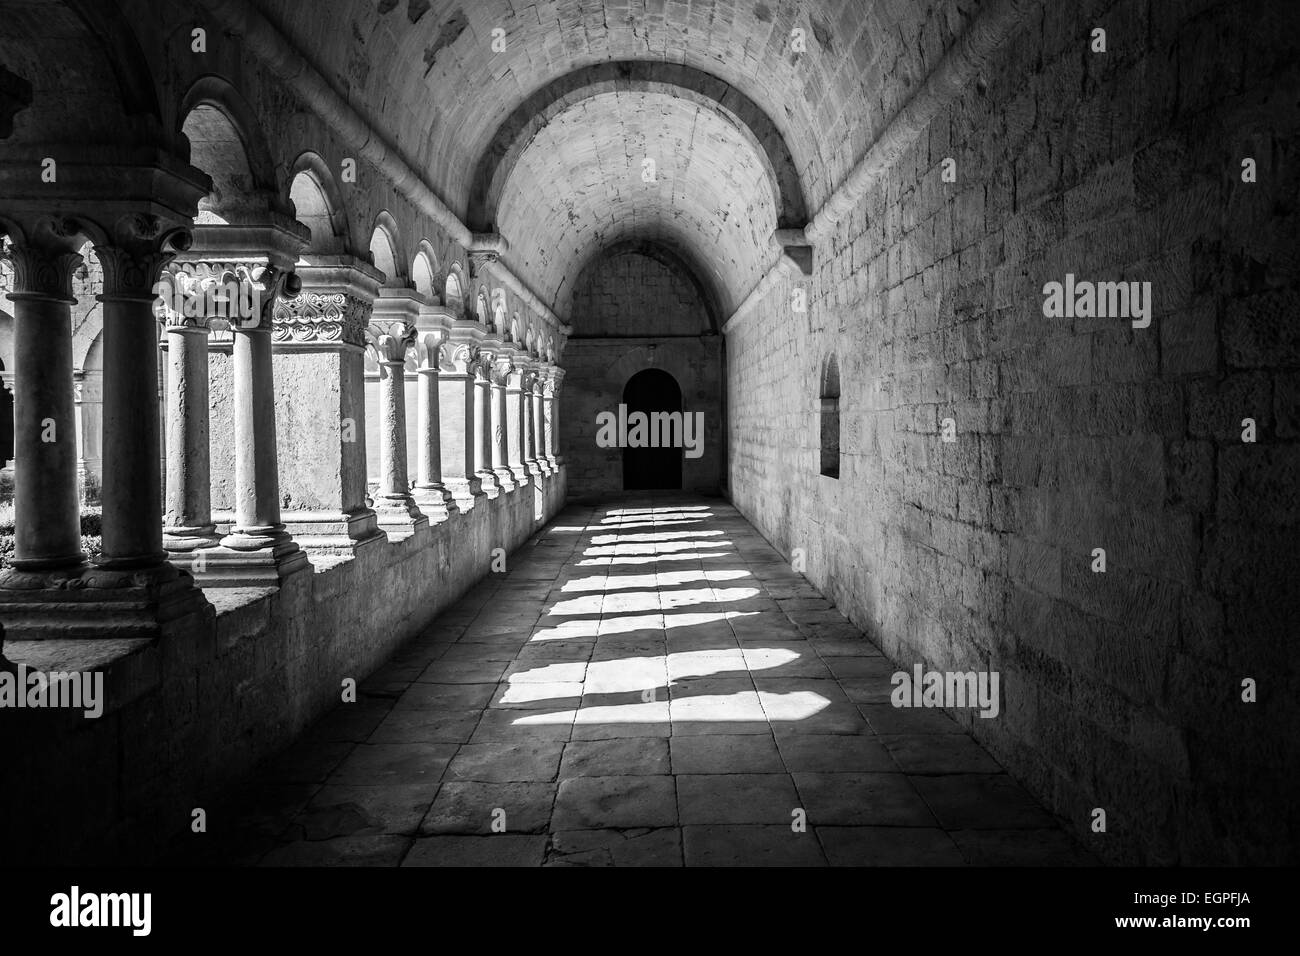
652,390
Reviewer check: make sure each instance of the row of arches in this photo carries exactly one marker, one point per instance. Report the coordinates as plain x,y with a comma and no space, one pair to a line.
225,144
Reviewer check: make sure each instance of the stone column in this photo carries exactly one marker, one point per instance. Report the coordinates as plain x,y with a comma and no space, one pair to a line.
539,423
391,336
551,414
517,425
456,400
187,518
431,494
47,528
319,353
484,439
258,549
502,426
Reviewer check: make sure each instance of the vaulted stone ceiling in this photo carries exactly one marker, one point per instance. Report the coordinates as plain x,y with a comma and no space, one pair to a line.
582,185
730,104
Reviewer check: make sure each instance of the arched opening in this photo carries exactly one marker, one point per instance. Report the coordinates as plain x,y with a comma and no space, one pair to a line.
424,272
452,297
383,250
652,392
830,418
317,207
217,148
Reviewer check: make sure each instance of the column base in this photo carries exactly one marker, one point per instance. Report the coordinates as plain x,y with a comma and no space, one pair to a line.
225,567
190,538
535,468
465,492
521,474
332,532
399,517
436,502
505,479
490,483
100,604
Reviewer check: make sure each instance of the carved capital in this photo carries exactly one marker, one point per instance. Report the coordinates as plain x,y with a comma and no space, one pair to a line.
501,369
429,343
480,259
551,385
204,295
43,269
389,341
483,362
133,261
458,358
321,317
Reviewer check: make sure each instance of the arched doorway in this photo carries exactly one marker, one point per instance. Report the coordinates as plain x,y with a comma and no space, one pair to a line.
648,391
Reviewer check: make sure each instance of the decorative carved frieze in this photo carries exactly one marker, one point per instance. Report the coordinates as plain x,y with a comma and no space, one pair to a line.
321,317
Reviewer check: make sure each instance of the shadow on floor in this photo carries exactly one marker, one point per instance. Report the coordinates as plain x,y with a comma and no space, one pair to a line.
649,683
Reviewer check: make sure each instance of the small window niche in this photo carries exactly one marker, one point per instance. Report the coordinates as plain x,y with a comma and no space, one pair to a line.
830,419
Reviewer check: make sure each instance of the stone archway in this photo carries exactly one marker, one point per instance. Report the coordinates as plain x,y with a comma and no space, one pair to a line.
651,391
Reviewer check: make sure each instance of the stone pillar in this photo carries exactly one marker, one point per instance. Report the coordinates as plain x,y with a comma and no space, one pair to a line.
47,527
392,335
502,425
551,414
539,423
517,425
484,439
431,494
131,590
264,550
456,400
319,340
187,518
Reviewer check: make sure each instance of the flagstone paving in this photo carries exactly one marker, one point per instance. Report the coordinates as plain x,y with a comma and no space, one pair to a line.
649,683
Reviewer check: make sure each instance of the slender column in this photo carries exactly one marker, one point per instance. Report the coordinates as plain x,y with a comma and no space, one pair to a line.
47,532
551,413
483,435
132,486
527,427
517,423
502,425
258,531
456,400
398,513
539,424
187,521
435,501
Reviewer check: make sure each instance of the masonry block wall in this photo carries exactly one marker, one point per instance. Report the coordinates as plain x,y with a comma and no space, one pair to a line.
1122,690
193,714
615,300
621,294
596,370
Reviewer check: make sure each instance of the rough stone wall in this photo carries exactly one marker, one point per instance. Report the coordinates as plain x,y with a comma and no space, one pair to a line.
189,716
597,371
620,296
1121,690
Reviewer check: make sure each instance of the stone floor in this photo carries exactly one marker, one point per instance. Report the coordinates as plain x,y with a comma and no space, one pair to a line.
648,683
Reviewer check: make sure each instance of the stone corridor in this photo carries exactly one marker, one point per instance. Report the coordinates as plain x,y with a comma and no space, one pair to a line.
647,683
